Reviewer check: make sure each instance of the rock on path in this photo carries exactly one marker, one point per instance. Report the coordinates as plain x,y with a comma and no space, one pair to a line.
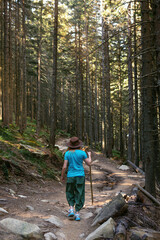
22,228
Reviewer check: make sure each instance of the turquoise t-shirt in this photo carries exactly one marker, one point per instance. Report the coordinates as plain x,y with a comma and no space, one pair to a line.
75,162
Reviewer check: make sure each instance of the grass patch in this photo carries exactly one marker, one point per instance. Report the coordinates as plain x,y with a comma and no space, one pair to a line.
10,138
116,153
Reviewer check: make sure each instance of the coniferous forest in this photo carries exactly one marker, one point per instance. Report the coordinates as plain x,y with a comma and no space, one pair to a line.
90,68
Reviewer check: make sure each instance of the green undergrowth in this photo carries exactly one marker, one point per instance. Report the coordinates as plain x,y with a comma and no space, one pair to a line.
11,152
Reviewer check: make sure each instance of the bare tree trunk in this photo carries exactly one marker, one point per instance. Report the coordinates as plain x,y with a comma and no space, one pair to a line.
108,97
23,72
136,91
103,91
6,66
120,101
130,86
39,72
148,99
157,46
88,93
96,107
10,66
1,60
54,78
81,94
17,61
77,83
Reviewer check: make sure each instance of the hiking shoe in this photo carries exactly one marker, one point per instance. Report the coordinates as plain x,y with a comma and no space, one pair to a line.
71,213
77,217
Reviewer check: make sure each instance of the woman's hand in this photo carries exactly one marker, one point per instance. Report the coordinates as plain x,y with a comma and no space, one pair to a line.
62,179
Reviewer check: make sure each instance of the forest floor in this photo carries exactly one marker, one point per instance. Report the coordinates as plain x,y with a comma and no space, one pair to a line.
47,198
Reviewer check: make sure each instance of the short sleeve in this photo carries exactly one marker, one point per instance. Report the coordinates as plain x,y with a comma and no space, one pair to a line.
66,156
84,155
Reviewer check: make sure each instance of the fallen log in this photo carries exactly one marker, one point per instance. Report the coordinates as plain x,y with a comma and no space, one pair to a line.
148,195
143,233
137,169
120,232
115,207
124,222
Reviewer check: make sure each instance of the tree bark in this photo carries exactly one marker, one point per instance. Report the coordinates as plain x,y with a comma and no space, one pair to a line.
39,72
1,60
54,77
157,46
136,158
148,99
77,82
6,67
130,87
10,65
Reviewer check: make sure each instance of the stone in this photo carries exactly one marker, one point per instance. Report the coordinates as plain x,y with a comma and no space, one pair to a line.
50,236
2,211
82,235
30,208
88,215
22,228
22,196
124,167
55,221
45,201
106,230
12,192
60,236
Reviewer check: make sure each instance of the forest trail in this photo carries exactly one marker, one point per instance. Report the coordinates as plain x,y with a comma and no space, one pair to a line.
48,198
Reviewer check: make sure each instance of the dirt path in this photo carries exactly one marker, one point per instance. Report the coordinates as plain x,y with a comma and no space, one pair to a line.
48,198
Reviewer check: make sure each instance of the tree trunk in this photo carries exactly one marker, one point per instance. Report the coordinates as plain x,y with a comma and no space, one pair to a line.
54,78
6,66
103,90
130,87
120,101
39,72
17,61
136,160
148,98
23,72
108,97
1,59
77,83
157,42
81,94
10,66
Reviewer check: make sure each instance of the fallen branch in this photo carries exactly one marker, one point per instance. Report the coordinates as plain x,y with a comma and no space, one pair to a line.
114,208
148,195
137,169
120,233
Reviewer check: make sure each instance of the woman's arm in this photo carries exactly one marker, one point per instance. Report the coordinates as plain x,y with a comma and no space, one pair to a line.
64,169
88,160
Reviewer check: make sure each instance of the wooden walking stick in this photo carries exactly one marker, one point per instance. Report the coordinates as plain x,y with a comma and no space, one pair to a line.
91,183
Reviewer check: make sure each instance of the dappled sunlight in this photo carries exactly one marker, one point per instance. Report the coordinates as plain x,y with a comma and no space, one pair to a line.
118,173
126,184
33,214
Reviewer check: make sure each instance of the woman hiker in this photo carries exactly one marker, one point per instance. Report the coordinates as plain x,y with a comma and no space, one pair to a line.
75,187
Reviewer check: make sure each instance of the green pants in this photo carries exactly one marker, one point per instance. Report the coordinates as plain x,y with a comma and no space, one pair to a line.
75,192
